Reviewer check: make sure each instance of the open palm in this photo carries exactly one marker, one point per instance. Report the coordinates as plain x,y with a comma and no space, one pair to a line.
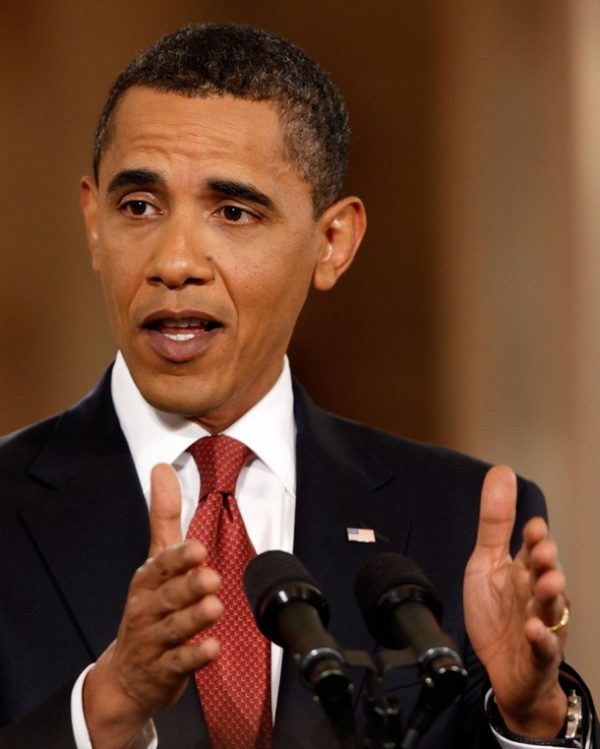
509,603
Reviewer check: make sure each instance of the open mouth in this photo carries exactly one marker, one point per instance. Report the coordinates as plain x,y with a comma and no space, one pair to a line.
181,336
183,329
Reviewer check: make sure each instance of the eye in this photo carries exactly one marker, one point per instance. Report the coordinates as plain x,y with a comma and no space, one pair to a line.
235,214
139,208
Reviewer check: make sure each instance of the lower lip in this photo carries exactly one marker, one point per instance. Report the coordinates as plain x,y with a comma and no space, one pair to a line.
181,351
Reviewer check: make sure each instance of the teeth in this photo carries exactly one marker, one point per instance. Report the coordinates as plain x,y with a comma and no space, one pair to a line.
187,322
179,336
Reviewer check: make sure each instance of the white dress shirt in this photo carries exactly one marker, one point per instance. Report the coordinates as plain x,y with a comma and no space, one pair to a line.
265,492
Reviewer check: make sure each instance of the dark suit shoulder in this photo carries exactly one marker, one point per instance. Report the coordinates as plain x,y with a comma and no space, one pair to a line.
440,478
92,419
398,448
360,437
19,448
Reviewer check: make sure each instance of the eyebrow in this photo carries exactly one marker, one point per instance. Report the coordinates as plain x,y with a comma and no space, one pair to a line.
128,177
229,188
241,190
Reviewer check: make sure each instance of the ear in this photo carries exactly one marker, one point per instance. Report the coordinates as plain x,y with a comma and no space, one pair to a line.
88,199
343,226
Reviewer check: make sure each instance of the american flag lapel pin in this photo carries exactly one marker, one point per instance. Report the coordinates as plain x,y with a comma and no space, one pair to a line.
361,535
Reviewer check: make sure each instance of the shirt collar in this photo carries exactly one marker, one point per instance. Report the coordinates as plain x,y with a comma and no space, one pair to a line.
154,436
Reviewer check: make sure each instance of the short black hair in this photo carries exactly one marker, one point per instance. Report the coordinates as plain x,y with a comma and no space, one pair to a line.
248,63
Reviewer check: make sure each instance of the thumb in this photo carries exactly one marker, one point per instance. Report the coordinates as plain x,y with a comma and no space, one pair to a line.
165,508
497,513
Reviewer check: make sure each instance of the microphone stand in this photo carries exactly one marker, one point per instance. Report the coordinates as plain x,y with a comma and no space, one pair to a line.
333,689
443,683
383,724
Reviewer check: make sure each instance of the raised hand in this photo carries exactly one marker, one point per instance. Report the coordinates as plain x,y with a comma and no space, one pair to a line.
170,598
510,604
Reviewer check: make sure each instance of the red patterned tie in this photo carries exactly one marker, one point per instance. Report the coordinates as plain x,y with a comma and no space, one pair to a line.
235,690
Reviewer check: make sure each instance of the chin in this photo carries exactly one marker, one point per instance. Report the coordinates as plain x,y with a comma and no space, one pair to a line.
171,403
176,395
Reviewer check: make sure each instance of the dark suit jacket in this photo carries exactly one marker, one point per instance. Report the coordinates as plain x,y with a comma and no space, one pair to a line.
74,527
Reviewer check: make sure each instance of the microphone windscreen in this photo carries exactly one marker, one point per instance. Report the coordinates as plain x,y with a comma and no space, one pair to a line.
271,570
375,582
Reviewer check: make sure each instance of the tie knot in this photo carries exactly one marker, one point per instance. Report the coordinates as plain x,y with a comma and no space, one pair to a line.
220,460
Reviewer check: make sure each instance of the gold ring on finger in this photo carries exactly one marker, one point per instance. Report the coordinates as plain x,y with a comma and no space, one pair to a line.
563,621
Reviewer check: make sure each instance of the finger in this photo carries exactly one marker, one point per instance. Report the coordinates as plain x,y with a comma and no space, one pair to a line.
550,597
497,513
183,625
546,647
182,591
547,581
535,532
168,564
543,557
165,508
184,660
156,630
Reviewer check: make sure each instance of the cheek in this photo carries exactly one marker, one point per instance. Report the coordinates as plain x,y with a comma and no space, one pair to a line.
118,283
269,303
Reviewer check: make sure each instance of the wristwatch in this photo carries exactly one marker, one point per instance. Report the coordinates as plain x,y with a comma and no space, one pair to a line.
572,729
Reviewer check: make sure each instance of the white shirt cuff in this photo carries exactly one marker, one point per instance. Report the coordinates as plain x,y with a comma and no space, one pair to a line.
511,743
146,739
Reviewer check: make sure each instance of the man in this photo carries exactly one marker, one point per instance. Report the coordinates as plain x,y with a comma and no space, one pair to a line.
214,206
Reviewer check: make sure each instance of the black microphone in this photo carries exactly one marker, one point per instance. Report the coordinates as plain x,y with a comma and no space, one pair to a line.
291,611
402,610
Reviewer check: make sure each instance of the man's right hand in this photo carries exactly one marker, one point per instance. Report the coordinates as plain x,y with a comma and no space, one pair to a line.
171,598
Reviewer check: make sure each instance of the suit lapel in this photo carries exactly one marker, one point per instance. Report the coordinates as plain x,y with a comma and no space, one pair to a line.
342,484
89,520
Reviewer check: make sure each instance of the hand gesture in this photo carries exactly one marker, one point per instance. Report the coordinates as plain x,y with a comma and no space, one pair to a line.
511,608
171,597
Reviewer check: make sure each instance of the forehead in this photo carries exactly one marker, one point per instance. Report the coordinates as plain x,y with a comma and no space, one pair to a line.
217,131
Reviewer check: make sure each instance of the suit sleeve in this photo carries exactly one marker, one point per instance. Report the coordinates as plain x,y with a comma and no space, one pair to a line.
48,725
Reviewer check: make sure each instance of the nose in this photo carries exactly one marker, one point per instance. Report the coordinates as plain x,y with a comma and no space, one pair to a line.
180,256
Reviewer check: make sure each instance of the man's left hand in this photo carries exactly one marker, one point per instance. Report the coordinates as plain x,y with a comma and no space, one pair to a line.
510,605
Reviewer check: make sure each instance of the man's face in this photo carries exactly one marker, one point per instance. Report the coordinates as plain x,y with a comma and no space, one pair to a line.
206,245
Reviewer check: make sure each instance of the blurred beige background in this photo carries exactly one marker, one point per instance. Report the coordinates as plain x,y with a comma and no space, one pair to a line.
472,315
